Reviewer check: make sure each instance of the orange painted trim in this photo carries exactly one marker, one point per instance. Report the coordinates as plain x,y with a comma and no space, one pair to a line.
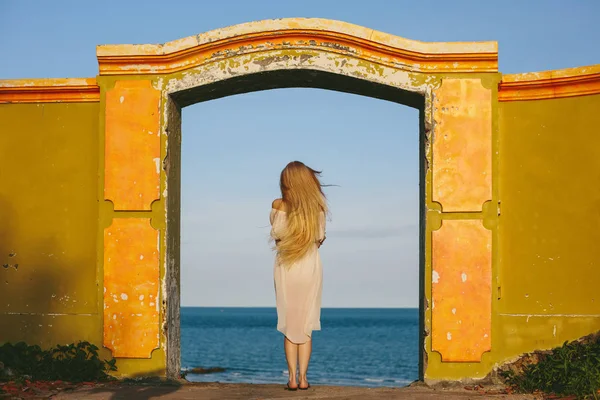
70,90
571,82
136,60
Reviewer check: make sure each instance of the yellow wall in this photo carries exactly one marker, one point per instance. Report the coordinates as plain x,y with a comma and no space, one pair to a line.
48,213
549,223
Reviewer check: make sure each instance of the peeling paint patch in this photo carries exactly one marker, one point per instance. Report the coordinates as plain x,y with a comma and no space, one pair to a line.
277,60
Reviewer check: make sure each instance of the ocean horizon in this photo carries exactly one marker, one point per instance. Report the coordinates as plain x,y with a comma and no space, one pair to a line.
370,347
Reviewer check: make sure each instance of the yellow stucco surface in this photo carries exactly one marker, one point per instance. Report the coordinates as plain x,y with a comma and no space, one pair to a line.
550,212
519,162
48,214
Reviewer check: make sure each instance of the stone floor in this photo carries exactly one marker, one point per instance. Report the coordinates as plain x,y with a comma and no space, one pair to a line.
217,391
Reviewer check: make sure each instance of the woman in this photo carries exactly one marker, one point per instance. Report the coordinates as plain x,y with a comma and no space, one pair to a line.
298,229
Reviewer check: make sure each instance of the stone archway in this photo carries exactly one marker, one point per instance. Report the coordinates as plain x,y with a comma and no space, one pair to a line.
142,90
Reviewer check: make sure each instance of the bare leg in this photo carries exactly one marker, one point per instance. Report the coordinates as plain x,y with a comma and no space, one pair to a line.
291,355
304,351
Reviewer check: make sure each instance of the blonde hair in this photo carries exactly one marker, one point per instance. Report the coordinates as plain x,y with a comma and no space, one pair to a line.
304,200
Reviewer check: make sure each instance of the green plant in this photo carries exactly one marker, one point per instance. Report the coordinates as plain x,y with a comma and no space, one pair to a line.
572,369
74,362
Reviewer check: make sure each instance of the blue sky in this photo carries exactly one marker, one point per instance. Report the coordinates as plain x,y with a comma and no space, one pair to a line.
234,148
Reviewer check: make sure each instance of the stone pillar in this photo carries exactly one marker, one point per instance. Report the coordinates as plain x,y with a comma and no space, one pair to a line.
132,223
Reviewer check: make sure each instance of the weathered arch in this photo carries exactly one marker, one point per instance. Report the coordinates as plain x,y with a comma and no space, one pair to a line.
257,81
453,84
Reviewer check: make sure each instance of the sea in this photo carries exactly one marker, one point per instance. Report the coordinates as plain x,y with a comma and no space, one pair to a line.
369,347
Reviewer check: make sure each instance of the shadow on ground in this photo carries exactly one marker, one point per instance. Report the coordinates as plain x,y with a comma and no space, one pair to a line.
129,392
135,389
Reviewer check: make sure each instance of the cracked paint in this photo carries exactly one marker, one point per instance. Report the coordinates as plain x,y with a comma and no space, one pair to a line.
287,60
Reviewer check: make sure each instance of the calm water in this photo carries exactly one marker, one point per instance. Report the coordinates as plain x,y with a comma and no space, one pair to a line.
357,347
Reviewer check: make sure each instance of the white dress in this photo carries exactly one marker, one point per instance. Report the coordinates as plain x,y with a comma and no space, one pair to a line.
298,289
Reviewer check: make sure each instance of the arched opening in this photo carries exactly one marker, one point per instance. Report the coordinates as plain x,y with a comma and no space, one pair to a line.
281,79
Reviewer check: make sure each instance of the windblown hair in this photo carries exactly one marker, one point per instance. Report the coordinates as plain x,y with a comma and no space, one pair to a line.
304,200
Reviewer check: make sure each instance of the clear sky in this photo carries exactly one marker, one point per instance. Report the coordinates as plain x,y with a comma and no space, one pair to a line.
234,148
